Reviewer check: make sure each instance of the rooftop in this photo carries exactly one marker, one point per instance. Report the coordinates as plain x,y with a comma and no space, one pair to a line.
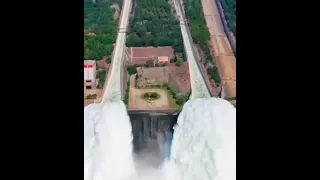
163,58
140,55
89,62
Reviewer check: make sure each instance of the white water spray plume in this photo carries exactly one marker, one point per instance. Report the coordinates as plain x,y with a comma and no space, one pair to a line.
203,145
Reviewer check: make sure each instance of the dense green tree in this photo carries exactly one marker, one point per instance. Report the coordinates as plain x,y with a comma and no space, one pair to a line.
155,25
131,70
133,39
200,34
229,7
98,21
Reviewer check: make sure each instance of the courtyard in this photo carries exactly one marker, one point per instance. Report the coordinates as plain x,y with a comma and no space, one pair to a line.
137,102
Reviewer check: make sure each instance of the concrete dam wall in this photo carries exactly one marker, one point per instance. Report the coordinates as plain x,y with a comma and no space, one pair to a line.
150,128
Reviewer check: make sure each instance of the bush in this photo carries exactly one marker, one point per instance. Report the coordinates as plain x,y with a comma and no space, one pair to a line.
150,63
151,95
126,97
178,63
181,99
92,96
154,95
131,70
214,74
102,75
146,95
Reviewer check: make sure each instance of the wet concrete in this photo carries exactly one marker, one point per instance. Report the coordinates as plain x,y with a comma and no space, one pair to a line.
149,131
149,127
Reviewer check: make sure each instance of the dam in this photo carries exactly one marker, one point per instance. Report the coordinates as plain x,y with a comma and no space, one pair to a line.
149,128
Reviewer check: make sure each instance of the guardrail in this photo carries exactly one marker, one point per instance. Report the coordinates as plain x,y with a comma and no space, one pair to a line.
193,49
226,28
155,110
119,47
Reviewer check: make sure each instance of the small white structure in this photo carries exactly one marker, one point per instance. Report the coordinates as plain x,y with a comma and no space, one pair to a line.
163,60
90,74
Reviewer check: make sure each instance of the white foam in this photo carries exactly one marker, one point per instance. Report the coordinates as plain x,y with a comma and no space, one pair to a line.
112,158
204,143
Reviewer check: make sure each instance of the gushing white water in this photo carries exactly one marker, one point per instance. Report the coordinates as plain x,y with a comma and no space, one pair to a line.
112,150
203,147
204,141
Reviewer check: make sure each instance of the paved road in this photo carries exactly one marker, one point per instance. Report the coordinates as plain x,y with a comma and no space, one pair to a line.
198,84
113,87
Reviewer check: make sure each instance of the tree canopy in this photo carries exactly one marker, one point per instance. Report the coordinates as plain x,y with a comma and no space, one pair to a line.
100,29
198,27
154,24
229,7
200,34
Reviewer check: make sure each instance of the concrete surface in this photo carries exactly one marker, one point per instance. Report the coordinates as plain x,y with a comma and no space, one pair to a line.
113,86
198,84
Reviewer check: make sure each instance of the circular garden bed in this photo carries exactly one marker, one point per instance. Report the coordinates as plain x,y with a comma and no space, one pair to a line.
150,96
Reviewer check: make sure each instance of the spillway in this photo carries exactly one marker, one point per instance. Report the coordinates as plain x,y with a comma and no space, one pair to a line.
203,145
108,142
204,141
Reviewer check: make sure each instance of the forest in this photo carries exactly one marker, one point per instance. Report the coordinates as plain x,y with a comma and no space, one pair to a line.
229,7
102,29
154,24
200,34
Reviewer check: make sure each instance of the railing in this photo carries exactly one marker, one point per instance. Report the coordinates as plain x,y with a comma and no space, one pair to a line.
155,110
193,49
116,93
226,28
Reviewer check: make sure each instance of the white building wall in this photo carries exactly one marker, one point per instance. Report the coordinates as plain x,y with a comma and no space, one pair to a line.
90,74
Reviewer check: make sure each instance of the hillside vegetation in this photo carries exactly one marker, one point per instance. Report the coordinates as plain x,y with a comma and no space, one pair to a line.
154,24
100,29
229,7
200,34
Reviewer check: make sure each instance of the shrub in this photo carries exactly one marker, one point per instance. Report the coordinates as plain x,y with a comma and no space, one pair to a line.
131,70
92,96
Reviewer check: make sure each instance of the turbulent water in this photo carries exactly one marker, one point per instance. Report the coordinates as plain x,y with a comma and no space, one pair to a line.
203,146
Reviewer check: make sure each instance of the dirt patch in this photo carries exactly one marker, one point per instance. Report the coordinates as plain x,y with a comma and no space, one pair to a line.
102,64
220,46
88,101
136,102
227,67
116,9
212,17
90,92
227,70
